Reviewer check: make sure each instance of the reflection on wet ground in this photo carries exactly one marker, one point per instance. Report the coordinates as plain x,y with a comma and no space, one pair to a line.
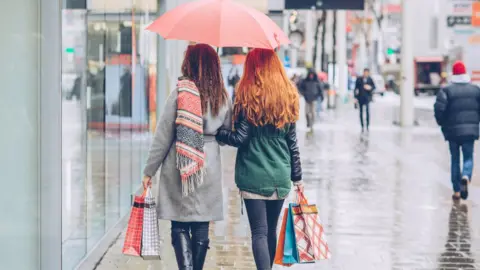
459,242
384,199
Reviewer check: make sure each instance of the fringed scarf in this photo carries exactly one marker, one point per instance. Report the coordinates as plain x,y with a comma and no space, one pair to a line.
189,130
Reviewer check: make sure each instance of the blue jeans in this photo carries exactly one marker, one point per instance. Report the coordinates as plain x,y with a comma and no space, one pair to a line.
456,171
319,105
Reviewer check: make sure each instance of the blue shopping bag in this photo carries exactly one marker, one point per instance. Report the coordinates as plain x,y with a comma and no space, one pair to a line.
290,252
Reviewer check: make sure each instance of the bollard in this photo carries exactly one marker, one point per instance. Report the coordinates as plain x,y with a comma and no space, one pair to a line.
332,100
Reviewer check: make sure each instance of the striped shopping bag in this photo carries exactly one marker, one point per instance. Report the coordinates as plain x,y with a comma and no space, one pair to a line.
309,234
150,237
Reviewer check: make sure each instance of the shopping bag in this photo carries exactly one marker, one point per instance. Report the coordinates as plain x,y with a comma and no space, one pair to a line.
281,241
309,233
133,239
150,236
290,252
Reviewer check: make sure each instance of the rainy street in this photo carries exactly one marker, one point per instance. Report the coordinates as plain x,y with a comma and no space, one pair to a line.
86,83
384,199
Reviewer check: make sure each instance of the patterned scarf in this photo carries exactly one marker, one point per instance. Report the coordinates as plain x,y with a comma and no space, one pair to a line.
189,129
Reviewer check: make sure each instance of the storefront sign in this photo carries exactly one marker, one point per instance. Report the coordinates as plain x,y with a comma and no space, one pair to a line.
474,40
121,6
476,14
475,76
325,4
453,21
75,4
261,5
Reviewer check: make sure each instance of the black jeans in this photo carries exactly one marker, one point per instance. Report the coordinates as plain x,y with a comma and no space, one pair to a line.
198,230
263,218
367,109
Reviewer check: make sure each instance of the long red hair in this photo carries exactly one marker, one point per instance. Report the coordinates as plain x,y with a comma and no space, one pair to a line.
265,93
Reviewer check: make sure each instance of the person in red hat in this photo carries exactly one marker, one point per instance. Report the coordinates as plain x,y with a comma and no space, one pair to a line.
457,111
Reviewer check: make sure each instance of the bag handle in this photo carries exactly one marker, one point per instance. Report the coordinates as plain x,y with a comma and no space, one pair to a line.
147,192
300,198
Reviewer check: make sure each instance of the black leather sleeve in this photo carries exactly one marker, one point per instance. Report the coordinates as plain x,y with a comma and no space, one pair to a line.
294,153
236,138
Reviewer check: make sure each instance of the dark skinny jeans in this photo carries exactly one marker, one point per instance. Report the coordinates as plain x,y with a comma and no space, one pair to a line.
263,218
198,230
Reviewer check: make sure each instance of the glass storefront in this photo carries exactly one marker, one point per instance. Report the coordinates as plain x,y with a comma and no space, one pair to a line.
77,103
107,83
19,155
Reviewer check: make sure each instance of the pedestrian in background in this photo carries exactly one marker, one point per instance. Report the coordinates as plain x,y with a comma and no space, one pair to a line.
295,79
233,79
457,111
311,89
268,159
325,86
184,145
364,87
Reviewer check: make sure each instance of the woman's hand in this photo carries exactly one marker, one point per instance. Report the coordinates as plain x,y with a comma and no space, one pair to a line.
147,182
299,186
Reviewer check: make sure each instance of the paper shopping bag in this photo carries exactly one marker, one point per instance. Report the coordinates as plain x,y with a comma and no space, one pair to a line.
281,241
133,238
150,236
309,233
290,252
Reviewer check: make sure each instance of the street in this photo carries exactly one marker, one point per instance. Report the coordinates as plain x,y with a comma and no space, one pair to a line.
384,199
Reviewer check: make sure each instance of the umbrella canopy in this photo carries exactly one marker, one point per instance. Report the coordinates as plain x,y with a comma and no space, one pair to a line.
221,23
322,76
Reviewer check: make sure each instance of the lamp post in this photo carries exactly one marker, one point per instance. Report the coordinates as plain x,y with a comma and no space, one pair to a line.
407,75
342,53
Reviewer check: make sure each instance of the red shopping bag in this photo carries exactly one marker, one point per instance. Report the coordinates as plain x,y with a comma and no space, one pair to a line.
309,233
133,239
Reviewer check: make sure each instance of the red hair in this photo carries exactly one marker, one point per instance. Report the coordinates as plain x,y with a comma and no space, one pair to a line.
265,93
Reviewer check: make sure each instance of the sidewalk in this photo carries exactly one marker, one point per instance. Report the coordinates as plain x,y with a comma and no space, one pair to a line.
384,198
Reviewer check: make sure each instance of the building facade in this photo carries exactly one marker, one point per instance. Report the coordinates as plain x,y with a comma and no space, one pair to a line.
78,80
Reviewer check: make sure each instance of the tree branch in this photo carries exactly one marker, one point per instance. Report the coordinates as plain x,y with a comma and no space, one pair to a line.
379,16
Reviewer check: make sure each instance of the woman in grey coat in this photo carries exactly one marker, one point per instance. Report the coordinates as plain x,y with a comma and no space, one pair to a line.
191,204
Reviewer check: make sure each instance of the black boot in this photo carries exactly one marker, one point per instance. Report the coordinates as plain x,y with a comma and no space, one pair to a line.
200,249
182,244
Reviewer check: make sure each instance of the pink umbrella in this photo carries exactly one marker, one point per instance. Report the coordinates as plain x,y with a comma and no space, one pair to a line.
221,23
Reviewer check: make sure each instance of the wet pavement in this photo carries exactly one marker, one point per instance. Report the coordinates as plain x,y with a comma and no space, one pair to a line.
384,199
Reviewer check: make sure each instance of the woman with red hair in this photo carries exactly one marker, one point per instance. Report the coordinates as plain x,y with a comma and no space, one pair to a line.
268,160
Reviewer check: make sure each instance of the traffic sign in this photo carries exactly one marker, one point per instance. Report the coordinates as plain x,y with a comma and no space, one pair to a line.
325,4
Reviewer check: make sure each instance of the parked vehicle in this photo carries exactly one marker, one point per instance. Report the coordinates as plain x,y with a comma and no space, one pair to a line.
428,72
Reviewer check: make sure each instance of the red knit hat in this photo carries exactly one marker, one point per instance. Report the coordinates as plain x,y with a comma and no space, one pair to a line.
459,68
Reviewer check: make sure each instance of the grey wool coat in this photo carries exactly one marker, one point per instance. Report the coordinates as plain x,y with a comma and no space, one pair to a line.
206,202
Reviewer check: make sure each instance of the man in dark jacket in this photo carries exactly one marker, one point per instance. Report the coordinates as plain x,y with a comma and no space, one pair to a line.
311,89
457,111
364,88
